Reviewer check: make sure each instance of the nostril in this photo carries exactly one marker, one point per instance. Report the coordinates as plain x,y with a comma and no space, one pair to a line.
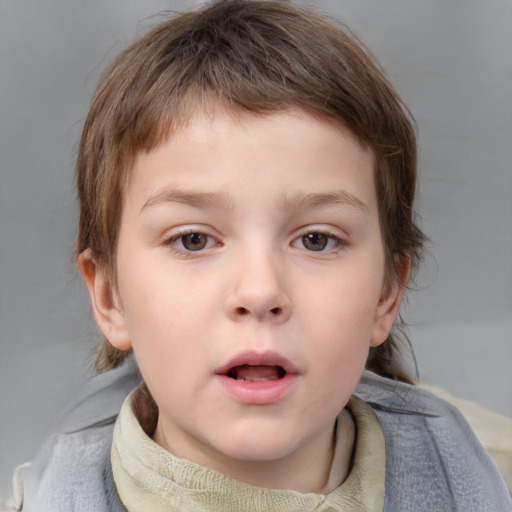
276,311
242,311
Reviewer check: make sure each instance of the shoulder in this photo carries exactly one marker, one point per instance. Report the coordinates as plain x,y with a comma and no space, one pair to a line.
433,459
493,430
70,473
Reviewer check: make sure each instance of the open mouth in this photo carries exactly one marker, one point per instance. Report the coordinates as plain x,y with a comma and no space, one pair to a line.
256,373
258,378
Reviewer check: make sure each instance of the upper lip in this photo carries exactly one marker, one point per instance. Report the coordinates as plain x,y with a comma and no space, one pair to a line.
254,358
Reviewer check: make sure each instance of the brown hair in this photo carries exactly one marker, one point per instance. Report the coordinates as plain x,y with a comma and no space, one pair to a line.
245,56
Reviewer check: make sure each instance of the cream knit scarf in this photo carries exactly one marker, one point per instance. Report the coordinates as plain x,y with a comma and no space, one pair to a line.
150,479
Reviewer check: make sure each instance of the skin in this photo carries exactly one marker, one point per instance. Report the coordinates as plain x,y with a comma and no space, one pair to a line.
278,188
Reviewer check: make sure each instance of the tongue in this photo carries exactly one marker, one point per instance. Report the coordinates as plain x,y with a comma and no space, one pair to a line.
256,373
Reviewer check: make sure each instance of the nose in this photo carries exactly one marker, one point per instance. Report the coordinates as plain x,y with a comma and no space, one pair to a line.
258,291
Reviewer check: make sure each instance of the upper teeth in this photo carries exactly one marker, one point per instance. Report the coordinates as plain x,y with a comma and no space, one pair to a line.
254,379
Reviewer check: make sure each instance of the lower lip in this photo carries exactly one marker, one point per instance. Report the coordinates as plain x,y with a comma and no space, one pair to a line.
265,392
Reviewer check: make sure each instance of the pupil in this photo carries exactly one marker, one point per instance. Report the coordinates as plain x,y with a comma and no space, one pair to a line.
314,241
194,241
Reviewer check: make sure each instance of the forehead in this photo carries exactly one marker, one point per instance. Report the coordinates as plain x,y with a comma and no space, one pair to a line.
229,153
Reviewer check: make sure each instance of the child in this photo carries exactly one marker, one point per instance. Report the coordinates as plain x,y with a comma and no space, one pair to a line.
246,178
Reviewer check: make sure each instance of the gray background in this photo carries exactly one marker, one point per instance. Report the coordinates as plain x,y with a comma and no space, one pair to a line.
452,62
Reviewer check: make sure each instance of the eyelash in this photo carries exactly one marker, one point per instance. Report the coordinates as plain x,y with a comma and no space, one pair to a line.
330,238
183,251
211,242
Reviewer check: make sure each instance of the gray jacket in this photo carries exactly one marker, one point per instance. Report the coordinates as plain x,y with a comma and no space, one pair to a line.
434,462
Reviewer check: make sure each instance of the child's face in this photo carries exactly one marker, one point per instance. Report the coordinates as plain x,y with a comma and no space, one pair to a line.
251,285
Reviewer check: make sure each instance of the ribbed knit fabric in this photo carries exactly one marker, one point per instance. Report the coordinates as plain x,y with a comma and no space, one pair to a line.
148,478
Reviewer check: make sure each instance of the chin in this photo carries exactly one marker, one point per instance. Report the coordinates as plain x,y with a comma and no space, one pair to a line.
259,447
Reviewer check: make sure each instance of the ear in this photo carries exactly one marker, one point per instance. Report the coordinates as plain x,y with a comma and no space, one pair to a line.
105,302
389,303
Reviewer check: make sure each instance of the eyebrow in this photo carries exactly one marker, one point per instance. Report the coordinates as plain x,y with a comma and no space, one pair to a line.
305,201
215,200
224,201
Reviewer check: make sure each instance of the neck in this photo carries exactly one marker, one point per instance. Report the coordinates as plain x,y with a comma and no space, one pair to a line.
320,467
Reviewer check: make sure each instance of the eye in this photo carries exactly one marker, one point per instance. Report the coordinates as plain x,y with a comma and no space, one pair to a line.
192,242
317,242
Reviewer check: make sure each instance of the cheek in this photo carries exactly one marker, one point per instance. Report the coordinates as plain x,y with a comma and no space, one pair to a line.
166,338
340,323
339,345
344,305
166,314
155,298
